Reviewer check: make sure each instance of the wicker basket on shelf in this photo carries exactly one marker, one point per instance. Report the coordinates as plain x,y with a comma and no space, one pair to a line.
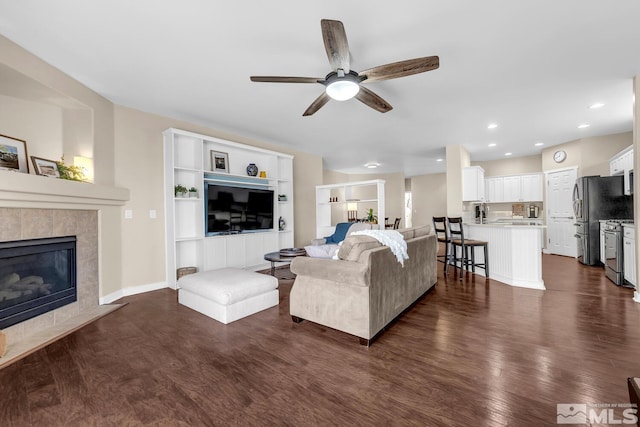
183,271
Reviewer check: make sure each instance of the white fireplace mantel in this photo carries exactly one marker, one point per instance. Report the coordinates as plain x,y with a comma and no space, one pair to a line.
26,190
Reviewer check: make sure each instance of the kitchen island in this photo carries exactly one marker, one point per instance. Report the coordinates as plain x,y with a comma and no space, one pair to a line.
515,251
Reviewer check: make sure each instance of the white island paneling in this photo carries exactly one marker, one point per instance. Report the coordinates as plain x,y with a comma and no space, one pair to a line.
515,252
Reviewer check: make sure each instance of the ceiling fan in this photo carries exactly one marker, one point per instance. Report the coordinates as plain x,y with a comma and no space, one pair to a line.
343,83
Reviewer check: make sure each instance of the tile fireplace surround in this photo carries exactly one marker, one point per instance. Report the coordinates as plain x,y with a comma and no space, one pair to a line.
21,224
37,207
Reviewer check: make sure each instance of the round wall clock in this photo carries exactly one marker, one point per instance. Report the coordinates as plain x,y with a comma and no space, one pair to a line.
559,156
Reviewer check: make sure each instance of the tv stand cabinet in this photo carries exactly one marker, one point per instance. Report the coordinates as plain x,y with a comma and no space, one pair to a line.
187,162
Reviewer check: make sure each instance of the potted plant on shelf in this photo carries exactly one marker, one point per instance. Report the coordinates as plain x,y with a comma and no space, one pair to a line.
193,192
72,172
370,217
180,191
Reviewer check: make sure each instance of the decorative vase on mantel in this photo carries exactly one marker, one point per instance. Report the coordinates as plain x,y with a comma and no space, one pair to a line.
282,224
252,169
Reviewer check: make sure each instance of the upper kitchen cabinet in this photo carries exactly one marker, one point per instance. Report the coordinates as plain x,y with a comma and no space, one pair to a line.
532,187
622,164
494,189
514,188
472,184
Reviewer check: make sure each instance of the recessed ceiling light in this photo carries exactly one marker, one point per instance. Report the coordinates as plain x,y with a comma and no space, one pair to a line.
493,144
584,125
596,105
372,165
439,160
508,154
492,126
539,144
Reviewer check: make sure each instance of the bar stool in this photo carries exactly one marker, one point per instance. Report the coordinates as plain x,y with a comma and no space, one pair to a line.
440,228
456,233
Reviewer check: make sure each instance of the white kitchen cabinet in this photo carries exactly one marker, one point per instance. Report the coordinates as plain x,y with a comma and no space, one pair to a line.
615,166
512,188
602,245
472,184
531,188
622,164
629,254
494,189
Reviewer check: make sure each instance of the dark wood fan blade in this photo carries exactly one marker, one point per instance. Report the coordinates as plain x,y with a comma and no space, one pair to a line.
317,104
372,100
335,42
278,79
401,69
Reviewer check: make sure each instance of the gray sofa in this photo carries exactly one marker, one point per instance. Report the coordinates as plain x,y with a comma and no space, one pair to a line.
367,287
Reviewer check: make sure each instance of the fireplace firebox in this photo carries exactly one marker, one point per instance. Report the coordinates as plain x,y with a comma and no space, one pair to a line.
36,276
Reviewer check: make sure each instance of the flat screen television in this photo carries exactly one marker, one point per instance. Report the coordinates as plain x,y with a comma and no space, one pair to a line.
232,209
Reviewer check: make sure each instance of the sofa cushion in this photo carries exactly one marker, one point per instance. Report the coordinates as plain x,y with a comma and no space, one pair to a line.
422,230
413,232
353,246
407,233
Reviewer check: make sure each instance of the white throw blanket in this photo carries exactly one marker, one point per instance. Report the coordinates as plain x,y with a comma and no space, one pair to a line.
390,238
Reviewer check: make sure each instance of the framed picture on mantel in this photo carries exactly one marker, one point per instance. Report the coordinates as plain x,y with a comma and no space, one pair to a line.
13,154
45,167
219,162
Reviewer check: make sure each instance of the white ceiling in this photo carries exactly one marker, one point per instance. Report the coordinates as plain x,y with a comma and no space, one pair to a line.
532,66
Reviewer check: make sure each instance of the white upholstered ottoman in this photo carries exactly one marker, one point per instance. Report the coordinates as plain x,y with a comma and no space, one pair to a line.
228,294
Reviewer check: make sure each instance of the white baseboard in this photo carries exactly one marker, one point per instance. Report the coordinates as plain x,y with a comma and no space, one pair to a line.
133,290
636,296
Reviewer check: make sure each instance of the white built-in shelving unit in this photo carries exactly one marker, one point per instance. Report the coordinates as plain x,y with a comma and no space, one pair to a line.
187,161
350,192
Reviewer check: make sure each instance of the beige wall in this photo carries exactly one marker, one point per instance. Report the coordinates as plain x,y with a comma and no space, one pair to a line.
393,195
139,167
429,197
17,118
590,155
511,166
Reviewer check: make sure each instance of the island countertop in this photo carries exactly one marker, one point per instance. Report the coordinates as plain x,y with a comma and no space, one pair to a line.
518,224
515,251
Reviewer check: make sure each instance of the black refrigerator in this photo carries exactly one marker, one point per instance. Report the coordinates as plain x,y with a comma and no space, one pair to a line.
596,198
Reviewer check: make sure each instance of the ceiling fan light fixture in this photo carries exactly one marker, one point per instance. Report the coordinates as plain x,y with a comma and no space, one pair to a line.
342,89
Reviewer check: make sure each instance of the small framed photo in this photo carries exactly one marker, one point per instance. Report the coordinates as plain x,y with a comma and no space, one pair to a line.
219,162
13,154
45,167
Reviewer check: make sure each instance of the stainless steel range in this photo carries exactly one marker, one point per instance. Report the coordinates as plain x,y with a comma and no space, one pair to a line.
614,250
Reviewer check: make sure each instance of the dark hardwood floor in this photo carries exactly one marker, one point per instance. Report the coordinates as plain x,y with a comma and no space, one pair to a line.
470,353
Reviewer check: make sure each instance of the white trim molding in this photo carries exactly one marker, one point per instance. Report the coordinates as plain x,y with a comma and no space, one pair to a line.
132,290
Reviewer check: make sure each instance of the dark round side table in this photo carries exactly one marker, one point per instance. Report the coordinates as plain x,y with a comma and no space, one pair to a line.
286,256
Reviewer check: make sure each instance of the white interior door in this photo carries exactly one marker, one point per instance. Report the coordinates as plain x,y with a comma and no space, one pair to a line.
560,219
